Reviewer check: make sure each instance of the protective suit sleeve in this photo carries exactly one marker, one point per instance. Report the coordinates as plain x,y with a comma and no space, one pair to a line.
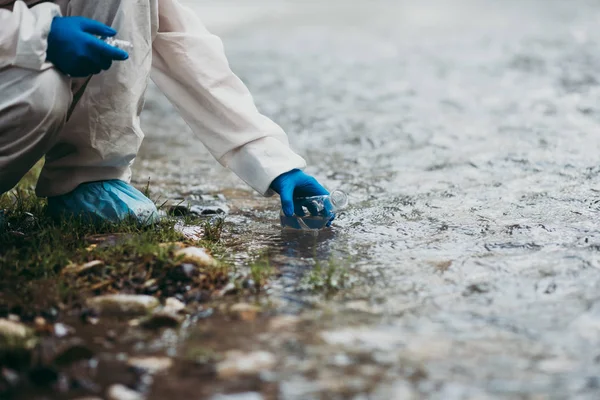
190,67
24,33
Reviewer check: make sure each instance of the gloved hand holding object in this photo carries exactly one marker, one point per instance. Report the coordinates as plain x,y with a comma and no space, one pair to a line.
76,50
293,185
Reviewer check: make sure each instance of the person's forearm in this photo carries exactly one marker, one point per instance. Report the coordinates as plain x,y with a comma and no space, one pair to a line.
23,35
191,68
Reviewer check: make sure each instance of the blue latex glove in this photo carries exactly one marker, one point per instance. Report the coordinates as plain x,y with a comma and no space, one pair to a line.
75,50
104,201
293,185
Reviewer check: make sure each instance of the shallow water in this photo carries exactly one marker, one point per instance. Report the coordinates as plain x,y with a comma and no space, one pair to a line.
467,135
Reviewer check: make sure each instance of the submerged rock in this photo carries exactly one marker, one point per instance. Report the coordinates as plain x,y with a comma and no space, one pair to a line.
122,392
197,256
123,304
237,363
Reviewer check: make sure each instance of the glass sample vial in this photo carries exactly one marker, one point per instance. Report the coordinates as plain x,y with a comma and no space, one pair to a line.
118,43
319,211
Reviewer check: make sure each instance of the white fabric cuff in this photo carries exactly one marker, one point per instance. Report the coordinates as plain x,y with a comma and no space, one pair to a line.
258,163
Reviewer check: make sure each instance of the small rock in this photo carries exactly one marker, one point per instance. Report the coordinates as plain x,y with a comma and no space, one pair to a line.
244,311
283,323
237,363
220,209
62,330
151,364
229,288
197,256
172,305
75,269
123,304
149,283
13,333
178,211
122,392
39,322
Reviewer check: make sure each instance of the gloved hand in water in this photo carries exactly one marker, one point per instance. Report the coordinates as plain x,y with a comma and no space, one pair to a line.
75,49
294,185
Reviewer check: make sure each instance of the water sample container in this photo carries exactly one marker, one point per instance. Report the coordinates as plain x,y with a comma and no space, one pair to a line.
121,44
318,212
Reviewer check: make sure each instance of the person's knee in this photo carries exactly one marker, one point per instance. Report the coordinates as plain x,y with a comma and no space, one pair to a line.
32,120
49,100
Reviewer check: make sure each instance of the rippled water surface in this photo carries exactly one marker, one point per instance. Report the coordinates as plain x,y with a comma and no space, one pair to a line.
467,134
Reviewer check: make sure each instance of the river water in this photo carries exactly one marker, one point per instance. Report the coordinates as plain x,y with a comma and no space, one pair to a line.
467,135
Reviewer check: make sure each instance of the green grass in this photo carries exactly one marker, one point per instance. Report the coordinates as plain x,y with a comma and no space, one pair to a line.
261,271
327,278
34,249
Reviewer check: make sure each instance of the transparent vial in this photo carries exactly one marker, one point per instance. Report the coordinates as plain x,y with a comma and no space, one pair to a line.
318,212
118,43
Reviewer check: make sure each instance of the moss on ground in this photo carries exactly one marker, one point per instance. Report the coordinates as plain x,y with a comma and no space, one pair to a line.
34,251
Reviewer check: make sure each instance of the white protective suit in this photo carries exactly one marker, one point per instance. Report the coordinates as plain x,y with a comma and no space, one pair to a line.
102,135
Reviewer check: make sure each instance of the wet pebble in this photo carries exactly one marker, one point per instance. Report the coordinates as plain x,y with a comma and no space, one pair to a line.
237,363
197,256
62,330
220,209
172,305
150,364
11,332
123,304
122,392
229,288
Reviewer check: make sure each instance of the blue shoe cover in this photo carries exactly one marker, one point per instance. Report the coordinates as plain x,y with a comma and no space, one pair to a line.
104,201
